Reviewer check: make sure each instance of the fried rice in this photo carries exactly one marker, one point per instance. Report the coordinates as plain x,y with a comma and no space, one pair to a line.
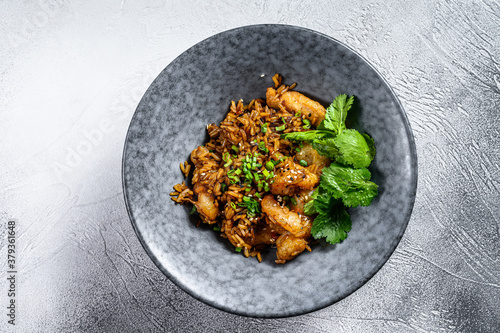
250,185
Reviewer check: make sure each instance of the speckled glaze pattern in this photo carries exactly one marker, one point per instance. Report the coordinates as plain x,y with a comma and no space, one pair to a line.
196,89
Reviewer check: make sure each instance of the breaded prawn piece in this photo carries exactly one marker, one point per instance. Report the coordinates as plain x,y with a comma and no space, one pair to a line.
288,247
301,198
206,204
294,102
311,156
299,225
292,178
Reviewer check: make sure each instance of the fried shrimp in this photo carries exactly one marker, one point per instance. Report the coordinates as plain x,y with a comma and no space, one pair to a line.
297,224
288,247
296,102
292,177
206,206
311,156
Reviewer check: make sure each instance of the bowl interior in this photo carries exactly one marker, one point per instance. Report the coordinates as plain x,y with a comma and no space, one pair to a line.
195,90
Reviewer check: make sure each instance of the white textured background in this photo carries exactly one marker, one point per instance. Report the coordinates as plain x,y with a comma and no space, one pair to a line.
71,75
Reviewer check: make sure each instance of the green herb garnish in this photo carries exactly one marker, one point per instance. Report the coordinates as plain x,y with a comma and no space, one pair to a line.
252,206
345,182
263,127
262,147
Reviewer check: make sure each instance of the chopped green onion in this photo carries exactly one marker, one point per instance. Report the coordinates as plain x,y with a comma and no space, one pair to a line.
266,187
283,120
257,194
303,163
280,128
256,177
233,206
238,171
193,210
238,249
279,161
263,127
252,206
297,114
286,198
270,165
236,149
248,189
225,156
294,202
262,146
228,163
265,173
223,187
234,179
307,124
216,228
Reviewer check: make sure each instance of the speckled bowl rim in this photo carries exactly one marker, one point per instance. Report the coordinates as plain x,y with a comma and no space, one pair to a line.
404,221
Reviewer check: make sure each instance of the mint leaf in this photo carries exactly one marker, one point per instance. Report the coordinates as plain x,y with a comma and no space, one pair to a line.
307,135
371,144
333,221
336,114
353,149
326,147
350,185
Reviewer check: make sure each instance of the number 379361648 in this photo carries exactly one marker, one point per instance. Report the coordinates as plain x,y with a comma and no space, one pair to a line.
11,246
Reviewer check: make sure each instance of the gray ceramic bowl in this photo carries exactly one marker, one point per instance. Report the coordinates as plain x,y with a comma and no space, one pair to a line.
196,89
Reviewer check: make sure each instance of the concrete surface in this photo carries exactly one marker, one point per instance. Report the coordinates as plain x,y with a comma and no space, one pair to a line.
71,75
